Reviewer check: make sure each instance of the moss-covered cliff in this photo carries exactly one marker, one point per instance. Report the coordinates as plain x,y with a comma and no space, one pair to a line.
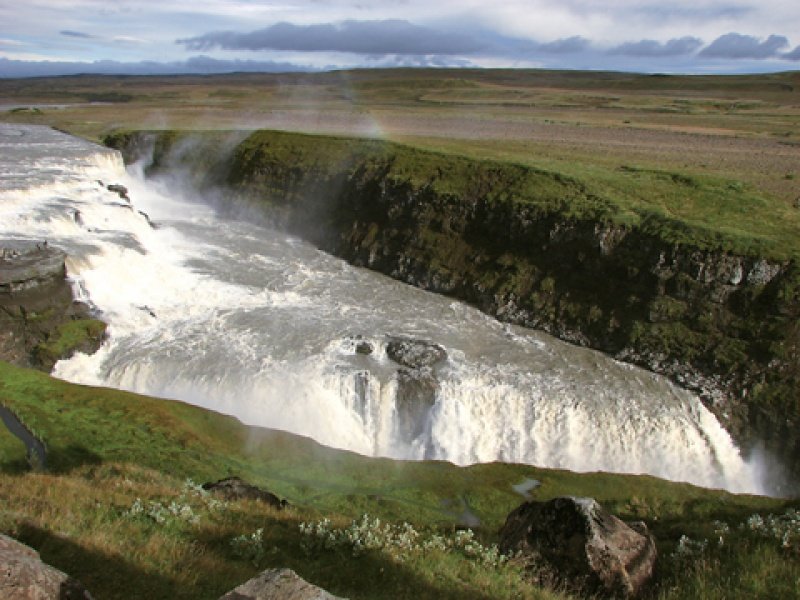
715,310
40,323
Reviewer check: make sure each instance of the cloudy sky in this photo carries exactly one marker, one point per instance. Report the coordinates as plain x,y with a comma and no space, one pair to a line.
51,37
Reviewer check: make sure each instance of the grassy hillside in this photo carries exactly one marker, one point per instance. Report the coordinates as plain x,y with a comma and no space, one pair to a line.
115,509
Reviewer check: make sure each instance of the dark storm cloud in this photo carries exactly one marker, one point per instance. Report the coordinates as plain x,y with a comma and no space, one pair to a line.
76,34
737,46
649,48
568,45
392,36
793,55
194,65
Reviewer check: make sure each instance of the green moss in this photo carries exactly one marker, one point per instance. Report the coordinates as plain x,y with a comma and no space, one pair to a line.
69,337
667,308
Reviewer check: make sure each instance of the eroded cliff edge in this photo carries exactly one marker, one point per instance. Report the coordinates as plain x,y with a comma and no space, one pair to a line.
715,312
40,322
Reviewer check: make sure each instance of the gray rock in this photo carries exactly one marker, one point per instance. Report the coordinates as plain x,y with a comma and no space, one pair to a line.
581,545
120,190
763,272
235,488
278,584
23,576
26,265
416,394
414,353
359,345
364,348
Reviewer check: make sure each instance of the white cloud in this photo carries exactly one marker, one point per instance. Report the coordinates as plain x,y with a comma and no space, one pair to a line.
626,34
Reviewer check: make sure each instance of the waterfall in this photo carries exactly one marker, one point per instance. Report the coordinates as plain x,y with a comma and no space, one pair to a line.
245,320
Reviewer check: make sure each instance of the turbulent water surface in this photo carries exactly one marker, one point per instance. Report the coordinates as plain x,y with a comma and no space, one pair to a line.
249,321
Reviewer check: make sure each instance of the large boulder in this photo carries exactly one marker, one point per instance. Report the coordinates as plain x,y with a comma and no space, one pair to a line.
23,576
235,488
414,354
278,584
582,545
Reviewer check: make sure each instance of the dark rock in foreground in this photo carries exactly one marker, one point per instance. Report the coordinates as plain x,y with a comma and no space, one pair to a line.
582,545
23,576
278,584
414,353
235,488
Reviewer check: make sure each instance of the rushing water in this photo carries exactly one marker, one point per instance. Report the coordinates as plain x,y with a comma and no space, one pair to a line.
233,316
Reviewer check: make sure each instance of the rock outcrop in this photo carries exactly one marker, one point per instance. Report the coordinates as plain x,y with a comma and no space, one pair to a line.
40,322
278,584
119,190
416,382
583,545
415,396
23,576
414,354
235,488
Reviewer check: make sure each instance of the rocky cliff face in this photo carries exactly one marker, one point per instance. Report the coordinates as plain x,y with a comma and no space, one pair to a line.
39,321
536,249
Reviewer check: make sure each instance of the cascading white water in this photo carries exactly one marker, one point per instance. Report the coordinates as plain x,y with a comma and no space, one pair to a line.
245,320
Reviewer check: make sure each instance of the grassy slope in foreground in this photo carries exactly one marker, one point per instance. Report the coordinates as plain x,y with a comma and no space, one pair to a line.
107,448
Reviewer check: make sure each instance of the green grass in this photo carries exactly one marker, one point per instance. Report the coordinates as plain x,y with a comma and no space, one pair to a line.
107,448
69,337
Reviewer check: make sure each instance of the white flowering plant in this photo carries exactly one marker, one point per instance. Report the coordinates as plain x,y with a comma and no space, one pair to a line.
398,541
186,509
785,529
249,546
